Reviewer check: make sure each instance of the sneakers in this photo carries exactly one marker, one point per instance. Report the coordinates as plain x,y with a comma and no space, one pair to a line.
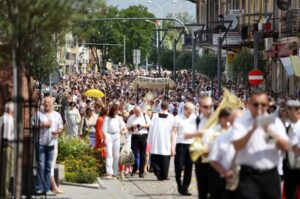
50,193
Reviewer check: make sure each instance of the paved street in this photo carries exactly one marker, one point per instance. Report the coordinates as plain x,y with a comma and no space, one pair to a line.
132,187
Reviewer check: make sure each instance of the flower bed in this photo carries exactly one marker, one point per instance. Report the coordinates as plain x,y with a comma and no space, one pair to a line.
82,163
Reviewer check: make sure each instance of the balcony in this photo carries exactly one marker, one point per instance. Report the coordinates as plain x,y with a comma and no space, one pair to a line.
290,24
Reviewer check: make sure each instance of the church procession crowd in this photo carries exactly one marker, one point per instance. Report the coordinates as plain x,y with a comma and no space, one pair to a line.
252,152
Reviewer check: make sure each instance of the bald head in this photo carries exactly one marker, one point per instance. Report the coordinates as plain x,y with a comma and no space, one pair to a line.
137,111
48,104
188,109
189,106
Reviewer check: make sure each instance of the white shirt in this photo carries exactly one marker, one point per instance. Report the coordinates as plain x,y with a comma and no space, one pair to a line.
223,150
294,135
113,125
258,152
160,133
202,123
185,125
141,120
211,135
46,136
8,128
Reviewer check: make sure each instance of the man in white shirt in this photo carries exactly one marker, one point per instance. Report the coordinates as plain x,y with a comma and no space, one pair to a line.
202,169
221,157
258,149
292,160
138,124
50,125
184,123
7,155
160,139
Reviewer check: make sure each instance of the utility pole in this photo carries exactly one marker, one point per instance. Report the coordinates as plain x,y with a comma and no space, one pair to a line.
193,60
124,50
174,59
256,50
158,56
220,40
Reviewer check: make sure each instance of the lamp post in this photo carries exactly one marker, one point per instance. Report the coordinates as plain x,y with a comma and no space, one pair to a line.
160,27
157,38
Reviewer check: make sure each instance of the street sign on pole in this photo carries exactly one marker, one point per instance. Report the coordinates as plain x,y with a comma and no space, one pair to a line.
136,58
255,77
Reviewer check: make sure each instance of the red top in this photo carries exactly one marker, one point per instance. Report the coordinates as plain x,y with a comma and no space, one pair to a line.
99,133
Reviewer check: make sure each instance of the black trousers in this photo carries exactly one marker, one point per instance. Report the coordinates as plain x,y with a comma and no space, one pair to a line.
139,145
184,163
203,172
160,165
291,181
255,184
217,187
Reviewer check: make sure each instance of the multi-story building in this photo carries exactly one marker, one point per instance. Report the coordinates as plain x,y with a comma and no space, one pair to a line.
278,21
73,56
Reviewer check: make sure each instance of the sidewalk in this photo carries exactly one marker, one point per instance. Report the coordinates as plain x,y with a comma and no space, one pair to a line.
131,187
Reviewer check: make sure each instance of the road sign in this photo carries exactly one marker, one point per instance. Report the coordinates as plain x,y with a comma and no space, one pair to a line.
136,56
255,77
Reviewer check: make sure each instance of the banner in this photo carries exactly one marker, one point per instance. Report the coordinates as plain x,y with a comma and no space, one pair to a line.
288,66
148,82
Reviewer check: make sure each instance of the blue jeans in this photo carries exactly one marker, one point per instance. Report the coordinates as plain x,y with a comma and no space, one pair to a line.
45,158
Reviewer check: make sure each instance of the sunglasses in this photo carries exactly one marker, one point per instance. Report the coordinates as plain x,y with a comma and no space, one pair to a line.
256,104
206,106
296,108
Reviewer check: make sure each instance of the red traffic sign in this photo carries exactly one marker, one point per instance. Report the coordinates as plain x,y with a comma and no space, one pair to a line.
255,77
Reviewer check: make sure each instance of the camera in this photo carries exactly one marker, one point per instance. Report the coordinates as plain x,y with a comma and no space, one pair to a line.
138,126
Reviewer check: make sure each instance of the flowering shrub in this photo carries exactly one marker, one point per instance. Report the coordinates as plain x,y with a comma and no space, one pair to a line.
82,163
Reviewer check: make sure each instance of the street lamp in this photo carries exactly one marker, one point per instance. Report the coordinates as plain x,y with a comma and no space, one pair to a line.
160,26
157,37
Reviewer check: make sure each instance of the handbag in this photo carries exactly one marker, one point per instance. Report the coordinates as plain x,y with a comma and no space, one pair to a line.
126,155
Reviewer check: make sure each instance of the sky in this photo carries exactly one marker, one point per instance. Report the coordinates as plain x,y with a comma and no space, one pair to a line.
167,6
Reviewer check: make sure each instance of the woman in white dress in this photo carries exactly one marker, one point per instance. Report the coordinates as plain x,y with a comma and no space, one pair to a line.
113,127
73,119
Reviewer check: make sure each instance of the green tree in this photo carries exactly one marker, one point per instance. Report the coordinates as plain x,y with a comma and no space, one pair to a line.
242,64
35,27
184,60
166,59
208,65
94,34
138,33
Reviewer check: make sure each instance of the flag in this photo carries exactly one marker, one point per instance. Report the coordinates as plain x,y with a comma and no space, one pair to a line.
296,65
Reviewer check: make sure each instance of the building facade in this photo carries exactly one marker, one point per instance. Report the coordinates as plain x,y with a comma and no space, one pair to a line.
277,21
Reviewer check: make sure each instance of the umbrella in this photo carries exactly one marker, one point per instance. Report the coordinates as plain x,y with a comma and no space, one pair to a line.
94,93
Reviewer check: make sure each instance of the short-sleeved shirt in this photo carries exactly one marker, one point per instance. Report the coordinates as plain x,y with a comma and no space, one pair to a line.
185,125
294,133
259,152
113,125
143,119
223,150
46,136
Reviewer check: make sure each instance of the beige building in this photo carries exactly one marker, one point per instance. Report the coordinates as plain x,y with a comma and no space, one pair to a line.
281,33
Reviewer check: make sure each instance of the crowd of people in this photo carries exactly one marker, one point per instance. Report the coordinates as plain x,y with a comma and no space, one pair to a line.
249,154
